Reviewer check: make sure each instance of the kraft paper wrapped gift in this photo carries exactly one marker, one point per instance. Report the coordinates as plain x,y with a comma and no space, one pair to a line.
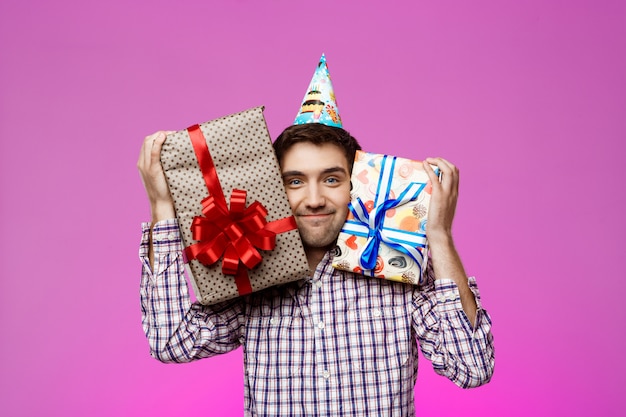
385,233
236,223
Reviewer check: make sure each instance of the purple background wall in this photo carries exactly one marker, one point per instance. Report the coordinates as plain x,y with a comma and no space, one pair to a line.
527,98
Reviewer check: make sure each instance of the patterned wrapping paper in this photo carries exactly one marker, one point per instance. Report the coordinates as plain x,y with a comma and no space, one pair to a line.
385,233
241,151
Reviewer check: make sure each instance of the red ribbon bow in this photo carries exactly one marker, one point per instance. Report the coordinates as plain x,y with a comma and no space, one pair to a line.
236,233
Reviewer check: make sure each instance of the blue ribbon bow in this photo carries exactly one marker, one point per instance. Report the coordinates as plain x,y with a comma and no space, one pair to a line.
371,225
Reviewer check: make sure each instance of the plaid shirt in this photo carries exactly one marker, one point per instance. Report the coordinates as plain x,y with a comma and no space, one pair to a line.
334,345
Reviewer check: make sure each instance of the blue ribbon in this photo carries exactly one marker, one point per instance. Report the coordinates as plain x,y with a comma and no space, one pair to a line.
371,225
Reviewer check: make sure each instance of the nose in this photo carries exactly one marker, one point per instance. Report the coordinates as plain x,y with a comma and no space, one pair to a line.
315,196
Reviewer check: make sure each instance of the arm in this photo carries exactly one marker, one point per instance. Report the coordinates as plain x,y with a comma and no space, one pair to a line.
445,259
177,330
453,330
153,179
458,350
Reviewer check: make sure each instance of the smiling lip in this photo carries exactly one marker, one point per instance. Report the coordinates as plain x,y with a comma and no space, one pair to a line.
315,216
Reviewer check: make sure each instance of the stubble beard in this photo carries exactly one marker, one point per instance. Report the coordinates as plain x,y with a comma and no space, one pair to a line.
320,237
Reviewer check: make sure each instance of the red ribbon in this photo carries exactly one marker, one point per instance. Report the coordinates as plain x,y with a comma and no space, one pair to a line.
234,234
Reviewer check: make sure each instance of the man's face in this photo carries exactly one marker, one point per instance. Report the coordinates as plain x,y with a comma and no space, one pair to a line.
317,180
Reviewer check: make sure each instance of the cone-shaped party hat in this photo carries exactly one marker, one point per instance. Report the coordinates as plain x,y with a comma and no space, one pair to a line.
319,104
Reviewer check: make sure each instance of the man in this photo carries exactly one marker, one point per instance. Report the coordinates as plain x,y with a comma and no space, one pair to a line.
335,344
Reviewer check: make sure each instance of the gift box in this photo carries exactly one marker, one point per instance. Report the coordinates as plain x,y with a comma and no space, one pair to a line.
385,233
236,224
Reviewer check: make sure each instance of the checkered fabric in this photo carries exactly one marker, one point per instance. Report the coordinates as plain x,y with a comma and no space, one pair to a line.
333,345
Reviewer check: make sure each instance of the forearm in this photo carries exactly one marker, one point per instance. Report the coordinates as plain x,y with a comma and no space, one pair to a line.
176,329
153,178
161,210
447,264
459,351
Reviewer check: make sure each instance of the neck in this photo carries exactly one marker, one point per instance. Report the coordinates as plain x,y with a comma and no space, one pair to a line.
314,256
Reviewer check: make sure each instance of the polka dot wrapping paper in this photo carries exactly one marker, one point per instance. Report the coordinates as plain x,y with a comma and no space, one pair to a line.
385,233
241,152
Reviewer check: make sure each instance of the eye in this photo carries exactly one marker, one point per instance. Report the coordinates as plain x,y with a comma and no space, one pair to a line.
294,182
332,180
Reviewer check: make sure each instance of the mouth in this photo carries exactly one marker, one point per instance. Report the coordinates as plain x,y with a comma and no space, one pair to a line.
315,217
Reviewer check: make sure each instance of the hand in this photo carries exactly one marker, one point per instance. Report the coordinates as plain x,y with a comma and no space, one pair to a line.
443,199
153,177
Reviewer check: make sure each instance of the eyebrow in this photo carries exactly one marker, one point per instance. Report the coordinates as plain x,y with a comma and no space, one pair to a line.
331,170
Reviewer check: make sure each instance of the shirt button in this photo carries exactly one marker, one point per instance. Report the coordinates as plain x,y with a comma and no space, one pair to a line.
273,320
171,236
377,313
320,325
318,284
325,374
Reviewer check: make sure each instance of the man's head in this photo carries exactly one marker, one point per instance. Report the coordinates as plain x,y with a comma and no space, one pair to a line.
316,163
317,134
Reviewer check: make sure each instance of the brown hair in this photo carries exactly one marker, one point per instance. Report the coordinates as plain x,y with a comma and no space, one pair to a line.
317,134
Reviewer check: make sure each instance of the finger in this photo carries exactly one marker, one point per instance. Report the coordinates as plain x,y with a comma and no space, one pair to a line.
442,168
155,150
452,174
443,164
449,172
147,142
434,179
145,156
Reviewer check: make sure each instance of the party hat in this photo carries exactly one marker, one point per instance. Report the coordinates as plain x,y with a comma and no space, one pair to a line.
319,104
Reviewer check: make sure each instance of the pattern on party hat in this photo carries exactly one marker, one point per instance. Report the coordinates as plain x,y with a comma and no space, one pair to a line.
319,104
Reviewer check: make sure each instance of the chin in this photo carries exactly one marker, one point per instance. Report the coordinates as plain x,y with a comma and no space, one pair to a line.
318,242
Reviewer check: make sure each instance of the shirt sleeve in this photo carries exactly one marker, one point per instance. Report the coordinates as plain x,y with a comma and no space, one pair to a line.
178,330
463,354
